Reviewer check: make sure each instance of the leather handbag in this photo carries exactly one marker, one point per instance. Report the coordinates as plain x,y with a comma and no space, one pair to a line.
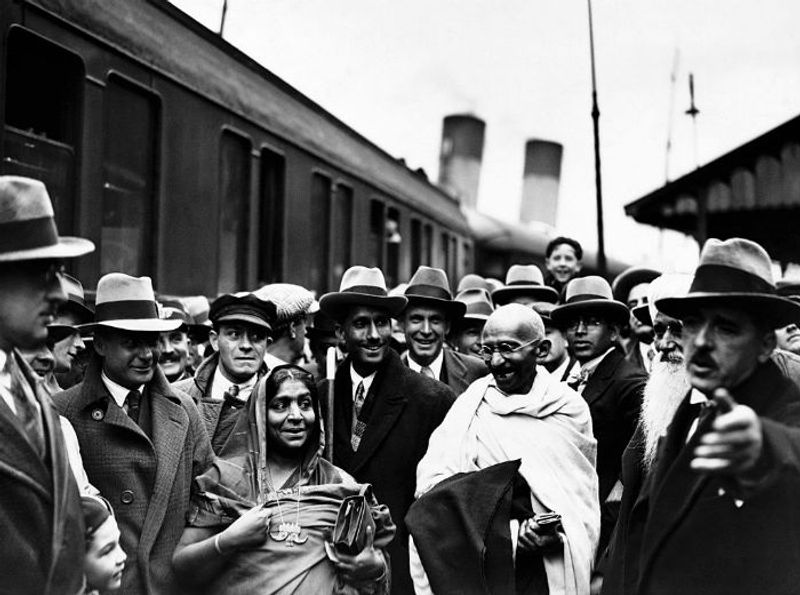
350,531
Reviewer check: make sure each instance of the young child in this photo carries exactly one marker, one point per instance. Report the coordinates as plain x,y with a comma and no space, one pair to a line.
105,560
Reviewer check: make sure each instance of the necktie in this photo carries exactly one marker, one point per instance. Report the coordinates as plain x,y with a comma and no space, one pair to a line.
358,425
426,371
133,401
27,412
232,399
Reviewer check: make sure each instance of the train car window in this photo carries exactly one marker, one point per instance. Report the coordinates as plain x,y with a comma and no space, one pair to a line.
43,104
416,244
377,230
466,259
393,242
319,224
444,248
129,172
427,244
341,232
452,265
270,253
234,212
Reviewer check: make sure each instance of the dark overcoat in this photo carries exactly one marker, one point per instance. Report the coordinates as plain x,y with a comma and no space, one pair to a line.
146,479
405,408
684,532
41,523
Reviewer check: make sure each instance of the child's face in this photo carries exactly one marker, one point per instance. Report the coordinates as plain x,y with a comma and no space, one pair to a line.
105,559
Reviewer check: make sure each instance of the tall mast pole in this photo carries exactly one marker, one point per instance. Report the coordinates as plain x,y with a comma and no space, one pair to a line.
601,245
222,18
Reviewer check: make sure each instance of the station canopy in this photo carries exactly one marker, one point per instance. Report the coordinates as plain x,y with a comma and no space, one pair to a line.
751,192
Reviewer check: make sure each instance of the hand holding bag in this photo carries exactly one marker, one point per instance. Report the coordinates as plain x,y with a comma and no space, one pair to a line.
350,531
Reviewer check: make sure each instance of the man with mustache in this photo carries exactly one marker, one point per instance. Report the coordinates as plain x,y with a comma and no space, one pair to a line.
384,412
174,345
142,442
717,511
242,328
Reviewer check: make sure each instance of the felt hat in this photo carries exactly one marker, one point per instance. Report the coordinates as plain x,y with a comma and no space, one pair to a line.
669,285
429,286
642,314
545,311
473,281
322,327
789,286
524,279
290,300
590,294
173,309
245,307
736,273
128,303
76,299
630,278
59,332
478,303
28,227
361,286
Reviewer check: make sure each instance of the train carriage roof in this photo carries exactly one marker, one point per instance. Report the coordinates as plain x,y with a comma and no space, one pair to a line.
171,42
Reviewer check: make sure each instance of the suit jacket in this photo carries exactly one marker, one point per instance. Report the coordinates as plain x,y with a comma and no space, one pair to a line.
147,480
614,394
41,523
406,408
682,532
458,370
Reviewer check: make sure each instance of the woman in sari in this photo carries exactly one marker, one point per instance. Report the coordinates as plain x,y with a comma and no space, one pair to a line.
261,515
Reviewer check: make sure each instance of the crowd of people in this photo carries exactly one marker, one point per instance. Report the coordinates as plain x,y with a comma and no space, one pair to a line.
550,433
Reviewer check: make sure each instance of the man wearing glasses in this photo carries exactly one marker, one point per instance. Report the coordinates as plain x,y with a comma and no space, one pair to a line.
519,412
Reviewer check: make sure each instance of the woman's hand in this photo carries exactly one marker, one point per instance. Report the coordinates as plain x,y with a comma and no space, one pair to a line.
248,531
533,537
368,565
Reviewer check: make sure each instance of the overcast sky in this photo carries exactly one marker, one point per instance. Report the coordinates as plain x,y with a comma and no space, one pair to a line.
393,70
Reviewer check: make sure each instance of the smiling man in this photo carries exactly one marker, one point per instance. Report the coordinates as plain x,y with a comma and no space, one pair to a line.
426,321
384,412
142,442
173,346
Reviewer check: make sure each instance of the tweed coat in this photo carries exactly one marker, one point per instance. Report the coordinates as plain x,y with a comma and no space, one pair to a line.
684,532
458,370
41,522
406,408
146,480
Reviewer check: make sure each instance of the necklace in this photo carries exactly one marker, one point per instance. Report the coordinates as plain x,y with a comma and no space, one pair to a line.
291,533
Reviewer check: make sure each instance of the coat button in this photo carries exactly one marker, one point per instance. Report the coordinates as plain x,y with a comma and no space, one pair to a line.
126,497
97,414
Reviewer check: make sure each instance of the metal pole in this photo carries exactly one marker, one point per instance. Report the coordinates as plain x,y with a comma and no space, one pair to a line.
330,375
222,19
601,244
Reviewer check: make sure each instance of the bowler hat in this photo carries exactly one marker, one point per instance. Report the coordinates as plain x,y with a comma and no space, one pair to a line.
478,303
630,278
361,286
243,307
27,226
429,286
590,294
736,273
524,279
128,303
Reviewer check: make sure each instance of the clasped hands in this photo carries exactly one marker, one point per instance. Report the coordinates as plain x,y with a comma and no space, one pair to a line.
532,537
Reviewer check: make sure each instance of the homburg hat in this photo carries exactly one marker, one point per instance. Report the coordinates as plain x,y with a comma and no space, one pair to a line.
735,273
478,304
28,227
245,307
590,294
128,303
524,279
429,286
630,278
361,286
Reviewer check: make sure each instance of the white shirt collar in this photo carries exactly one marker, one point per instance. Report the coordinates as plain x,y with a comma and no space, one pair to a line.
592,364
118,392
272,361
435,365
696,397
221,384
356,378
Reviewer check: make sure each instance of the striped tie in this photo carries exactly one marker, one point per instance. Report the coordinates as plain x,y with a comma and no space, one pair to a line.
358,425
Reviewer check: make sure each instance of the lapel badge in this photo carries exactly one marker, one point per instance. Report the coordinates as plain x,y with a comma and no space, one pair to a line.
98,414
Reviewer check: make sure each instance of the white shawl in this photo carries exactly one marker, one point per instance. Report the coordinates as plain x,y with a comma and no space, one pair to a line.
550,430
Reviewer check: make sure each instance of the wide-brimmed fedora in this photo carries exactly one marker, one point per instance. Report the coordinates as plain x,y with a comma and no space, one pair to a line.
736,273
630,278
27,226
244,307
524,279
361,286
429,287
478,304
592,294
128,303
473,281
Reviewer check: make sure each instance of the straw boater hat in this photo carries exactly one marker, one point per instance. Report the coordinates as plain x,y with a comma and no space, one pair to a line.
245,307
589,295
630,278
27,227
478,303
129,304
429,287
524,279
361,286
736,273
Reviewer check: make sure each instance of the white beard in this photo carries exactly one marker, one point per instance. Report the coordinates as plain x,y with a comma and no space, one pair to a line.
663,393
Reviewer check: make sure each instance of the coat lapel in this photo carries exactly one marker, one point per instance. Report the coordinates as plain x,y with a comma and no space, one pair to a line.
452,367
601,379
